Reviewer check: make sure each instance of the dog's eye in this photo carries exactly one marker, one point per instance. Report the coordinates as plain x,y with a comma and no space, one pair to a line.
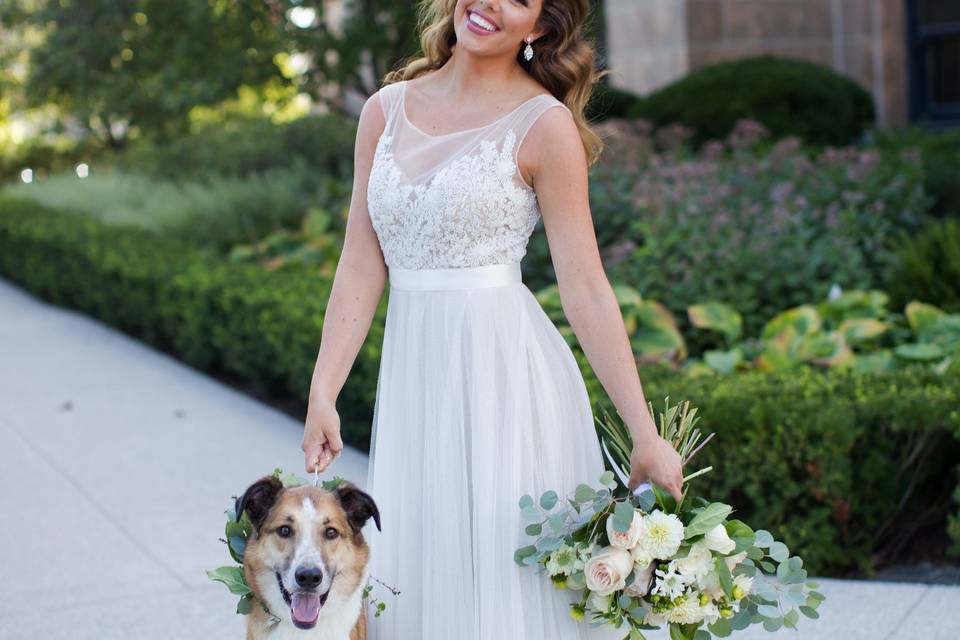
285,531
331,533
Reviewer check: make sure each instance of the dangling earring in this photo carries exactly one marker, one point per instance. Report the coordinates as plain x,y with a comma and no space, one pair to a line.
528,52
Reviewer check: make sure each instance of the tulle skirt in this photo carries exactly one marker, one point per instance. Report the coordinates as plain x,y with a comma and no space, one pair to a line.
479,401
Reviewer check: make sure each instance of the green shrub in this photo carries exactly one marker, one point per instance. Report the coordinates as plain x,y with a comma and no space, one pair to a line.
790,97
608,101
760,231
928,267
839,465
939,155
260,326
321,144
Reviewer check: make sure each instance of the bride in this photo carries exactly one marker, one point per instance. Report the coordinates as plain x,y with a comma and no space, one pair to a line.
479,399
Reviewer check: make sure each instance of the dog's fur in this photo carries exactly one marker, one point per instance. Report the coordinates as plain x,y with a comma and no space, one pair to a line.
324,534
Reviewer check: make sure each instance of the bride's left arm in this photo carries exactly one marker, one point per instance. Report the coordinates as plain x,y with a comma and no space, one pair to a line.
557,161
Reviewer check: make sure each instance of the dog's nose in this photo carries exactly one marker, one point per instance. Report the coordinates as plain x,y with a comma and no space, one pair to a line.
309,577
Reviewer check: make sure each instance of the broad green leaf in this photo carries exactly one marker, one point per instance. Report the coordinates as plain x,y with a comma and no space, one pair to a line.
922,317
707,519
921,351
717,316
726,580
723,361
803,319
232,577
856,330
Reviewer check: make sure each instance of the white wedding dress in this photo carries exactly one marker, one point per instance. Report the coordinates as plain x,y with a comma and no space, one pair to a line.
479,398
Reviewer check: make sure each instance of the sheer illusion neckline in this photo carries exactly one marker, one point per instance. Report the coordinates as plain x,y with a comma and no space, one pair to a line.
403,113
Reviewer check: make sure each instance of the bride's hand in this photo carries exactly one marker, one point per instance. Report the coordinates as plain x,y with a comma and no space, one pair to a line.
321,435
654,459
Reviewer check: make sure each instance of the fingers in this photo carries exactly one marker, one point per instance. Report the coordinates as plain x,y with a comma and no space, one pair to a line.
335,444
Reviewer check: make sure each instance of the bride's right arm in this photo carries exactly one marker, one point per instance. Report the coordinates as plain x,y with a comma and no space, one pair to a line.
357,287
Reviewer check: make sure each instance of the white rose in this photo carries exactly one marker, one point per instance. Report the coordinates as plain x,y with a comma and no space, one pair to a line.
641,556
718,540
733,561
626,539
607,570
710,584
698,561
600,603
641,580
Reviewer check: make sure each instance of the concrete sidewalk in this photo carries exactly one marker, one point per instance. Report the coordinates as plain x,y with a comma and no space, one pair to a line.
118,462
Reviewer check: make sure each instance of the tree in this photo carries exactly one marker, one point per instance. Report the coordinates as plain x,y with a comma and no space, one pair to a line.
142,65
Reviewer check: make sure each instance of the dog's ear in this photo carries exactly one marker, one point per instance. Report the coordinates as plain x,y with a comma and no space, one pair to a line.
258,499
358,505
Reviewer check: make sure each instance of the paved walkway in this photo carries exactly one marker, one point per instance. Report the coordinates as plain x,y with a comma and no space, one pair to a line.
117,463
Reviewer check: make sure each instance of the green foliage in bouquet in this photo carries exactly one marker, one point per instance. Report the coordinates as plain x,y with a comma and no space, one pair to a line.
642,560
237,533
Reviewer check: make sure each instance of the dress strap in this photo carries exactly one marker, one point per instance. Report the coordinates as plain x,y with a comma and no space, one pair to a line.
528,117
390,101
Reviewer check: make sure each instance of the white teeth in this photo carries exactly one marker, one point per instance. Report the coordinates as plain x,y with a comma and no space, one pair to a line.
474,18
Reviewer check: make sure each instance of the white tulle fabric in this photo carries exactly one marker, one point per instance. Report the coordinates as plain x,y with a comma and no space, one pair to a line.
479,399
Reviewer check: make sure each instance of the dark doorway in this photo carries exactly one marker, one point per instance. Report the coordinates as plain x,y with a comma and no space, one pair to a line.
934,39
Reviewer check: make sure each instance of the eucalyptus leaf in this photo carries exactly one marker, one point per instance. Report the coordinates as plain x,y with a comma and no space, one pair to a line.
607,479
525,501
790,620
772,624
779,551
549,499
809,612
721,628
763,539
622,516
524,552
584,493
558,522
769,611
530,512
534,529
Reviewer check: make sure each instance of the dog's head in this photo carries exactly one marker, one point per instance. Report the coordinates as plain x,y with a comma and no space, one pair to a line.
307,551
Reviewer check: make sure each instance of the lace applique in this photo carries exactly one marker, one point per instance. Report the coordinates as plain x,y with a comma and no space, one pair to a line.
473,211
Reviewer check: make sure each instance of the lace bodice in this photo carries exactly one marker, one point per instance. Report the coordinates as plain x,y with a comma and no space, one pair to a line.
453,200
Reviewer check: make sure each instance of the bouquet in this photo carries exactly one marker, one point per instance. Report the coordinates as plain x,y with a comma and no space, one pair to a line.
641,560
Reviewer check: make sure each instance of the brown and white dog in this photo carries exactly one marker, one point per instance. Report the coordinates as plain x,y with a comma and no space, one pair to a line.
306,560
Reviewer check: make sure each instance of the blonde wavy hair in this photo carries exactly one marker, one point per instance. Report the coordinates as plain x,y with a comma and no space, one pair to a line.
563,62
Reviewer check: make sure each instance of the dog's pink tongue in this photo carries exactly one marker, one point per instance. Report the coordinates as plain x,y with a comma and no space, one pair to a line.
306,606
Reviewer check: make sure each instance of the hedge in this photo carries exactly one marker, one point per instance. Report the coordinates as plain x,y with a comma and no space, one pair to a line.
790,97
847,468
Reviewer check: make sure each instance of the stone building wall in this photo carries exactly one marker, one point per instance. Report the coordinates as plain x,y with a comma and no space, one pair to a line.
653,42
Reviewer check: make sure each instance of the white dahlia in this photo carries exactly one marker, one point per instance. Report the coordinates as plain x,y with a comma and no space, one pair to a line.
663,534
